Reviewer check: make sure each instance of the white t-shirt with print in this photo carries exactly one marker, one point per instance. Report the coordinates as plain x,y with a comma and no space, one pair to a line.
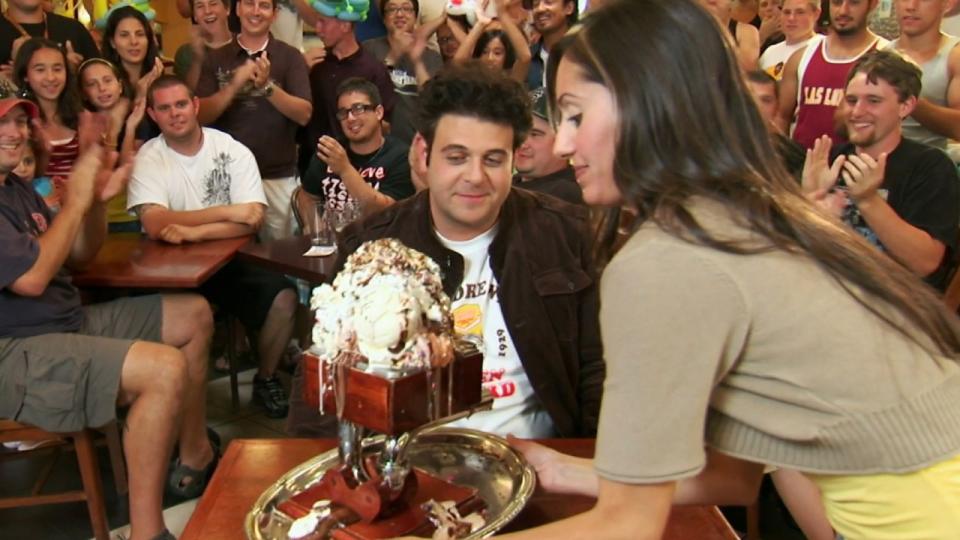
223,172
476,310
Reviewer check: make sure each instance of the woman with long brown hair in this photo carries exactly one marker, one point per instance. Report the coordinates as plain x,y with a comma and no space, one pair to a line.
742,326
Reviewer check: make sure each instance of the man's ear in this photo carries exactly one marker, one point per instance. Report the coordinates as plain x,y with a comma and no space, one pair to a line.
151,114
907,106
419,158
379,112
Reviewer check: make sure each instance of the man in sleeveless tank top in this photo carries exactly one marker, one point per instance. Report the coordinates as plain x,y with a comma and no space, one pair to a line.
937,116
814,77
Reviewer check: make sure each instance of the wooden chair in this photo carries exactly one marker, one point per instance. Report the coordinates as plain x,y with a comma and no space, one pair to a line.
83,444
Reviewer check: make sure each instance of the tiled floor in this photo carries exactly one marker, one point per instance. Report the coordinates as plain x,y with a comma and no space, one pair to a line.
70,521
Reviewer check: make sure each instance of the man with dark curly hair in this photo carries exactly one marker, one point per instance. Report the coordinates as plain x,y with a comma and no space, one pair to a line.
516,264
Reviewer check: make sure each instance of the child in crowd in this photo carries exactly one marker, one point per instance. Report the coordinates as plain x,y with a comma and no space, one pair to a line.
103,92
43,76
27,170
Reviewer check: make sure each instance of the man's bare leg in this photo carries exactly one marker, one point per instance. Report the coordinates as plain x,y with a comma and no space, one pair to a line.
276,332
188,326
152,382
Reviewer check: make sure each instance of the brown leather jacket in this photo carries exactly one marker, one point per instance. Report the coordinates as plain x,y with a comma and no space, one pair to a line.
548,291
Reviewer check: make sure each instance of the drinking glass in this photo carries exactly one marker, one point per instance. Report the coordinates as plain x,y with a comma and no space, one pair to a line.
321,235
339,216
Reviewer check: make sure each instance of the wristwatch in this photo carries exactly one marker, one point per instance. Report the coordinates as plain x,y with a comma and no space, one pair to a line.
268,89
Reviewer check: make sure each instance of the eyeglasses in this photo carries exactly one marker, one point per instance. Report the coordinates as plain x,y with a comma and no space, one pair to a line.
356,110
393,10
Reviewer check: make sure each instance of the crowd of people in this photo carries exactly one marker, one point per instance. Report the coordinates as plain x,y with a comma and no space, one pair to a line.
748,171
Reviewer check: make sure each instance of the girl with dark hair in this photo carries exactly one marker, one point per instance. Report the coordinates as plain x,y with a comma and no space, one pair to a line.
104,93
129,43
43,75
769,334
503,48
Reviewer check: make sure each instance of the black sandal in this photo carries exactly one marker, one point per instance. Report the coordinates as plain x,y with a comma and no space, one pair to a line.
197,479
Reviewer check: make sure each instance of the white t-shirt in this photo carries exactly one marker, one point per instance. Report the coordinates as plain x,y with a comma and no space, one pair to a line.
476,310
223,172
775,57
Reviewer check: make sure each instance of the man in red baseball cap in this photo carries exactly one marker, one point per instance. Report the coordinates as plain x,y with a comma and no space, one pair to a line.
63,366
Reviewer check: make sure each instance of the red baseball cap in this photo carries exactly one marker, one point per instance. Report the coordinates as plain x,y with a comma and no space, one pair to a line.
7,105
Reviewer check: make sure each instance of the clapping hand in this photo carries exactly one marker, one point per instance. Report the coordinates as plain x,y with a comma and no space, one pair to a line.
261,75
92,129
145,81
81,185
73,58
864,175
818,175
244,74
111,180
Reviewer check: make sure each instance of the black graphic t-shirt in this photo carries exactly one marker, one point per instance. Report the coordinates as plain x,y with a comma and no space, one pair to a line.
387,170
921,185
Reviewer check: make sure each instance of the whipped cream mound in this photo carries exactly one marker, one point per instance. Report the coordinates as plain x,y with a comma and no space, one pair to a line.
386,305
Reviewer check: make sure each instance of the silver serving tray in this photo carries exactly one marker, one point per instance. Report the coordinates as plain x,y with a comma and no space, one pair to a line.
503,478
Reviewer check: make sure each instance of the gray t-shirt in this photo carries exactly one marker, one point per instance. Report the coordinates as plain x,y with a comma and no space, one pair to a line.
404,80
23,218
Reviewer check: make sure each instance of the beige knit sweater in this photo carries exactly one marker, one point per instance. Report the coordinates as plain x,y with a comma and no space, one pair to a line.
763,357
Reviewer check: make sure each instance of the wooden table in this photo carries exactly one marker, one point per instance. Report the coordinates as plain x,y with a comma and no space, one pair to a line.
286,257
131,260
250,466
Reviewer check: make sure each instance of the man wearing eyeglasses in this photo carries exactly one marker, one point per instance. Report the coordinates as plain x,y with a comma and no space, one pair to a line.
373,169
407,58
343,58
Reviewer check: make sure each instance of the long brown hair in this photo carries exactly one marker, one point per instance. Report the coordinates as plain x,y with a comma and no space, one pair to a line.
689,128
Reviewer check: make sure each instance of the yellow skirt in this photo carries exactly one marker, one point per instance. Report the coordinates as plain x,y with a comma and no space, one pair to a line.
922,505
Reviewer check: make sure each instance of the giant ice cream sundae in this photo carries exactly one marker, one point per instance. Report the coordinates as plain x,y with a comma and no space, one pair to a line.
386,306
385,360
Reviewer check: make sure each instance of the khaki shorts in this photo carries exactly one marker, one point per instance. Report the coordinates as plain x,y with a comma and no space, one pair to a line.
68,381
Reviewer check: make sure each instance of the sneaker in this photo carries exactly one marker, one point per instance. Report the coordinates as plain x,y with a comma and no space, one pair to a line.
269,394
